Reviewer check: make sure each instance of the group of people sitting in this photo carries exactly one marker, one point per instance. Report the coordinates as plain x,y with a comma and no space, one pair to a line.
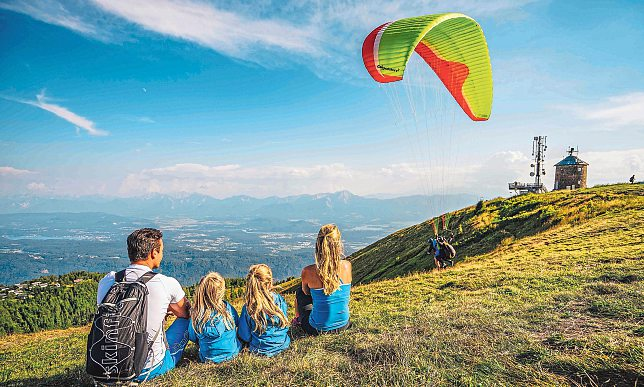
220,332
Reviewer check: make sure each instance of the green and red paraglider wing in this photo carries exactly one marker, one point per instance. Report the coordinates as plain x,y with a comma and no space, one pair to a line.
452,44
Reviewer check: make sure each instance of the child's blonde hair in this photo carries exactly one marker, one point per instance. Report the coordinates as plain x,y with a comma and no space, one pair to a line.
259,298
209,298
328,254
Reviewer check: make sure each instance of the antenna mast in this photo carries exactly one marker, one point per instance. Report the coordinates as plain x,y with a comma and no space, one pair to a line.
539,153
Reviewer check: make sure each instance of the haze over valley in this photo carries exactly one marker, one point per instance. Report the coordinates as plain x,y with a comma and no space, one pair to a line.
201,233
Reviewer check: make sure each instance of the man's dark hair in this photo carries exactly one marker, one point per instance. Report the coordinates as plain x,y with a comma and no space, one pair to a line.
141,242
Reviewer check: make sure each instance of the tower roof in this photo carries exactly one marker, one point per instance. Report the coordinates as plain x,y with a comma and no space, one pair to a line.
571,160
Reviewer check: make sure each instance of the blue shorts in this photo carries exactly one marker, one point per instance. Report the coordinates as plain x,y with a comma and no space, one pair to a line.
177,337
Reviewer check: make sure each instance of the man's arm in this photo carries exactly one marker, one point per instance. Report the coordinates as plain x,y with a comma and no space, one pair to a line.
181,308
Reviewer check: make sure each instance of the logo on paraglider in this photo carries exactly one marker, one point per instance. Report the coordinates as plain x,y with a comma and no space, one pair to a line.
381,67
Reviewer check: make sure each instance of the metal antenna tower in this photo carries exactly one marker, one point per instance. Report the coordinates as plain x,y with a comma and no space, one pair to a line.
539,153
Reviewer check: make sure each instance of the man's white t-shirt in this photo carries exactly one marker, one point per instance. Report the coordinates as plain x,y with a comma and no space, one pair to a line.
163,291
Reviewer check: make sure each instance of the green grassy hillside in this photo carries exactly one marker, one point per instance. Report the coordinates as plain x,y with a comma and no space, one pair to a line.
489,225
550,291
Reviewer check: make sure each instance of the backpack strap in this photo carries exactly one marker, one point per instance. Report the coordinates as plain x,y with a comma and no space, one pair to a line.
146,277
120,276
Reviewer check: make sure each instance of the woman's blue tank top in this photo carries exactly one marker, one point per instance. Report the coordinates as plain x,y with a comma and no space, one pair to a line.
330,311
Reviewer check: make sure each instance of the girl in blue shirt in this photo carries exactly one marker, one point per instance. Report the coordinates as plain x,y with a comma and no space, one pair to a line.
213,321
263,323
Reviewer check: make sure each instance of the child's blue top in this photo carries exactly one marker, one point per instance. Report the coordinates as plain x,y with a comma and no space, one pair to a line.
274,340
330,311
217,343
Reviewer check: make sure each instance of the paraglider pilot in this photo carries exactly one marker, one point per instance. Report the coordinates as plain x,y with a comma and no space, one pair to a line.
443,252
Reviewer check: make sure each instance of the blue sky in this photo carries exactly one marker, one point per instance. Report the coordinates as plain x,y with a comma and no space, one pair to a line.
271,98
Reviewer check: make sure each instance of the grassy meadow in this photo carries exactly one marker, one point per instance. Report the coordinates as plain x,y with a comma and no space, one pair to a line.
548,290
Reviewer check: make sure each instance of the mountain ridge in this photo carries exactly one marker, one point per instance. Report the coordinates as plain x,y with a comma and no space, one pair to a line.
341,204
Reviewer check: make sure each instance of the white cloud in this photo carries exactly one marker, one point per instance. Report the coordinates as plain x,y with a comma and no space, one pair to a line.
79,122
358,14
145,120
37,187
490,177
14,172
614,112
53,12
12,180
190,169
323,35
222,30
229,180
614,166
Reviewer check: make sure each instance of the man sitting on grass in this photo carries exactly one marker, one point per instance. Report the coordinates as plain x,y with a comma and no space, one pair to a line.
145,250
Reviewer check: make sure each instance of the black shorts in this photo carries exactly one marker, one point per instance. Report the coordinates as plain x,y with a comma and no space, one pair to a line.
304,309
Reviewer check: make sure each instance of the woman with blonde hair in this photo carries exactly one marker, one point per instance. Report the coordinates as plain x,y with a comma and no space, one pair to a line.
322,304
263,323
213,321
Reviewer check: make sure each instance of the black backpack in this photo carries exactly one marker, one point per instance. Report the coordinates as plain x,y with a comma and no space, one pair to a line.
117,345
446,251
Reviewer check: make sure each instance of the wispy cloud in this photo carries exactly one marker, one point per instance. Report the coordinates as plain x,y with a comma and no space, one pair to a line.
358,15
146,120
224,31
228,180
614,112
37,187
54,12
11,171
323,35
489,177
78,121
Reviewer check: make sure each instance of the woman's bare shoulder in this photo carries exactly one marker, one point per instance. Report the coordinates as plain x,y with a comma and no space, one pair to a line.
346,272
309,269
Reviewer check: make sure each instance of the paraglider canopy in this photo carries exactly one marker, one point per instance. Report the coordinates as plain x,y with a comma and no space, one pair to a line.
452,44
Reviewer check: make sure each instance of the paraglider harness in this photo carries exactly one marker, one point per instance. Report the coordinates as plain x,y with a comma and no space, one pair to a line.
443,251
440,245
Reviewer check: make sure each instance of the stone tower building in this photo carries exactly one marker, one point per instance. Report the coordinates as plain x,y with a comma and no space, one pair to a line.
571,172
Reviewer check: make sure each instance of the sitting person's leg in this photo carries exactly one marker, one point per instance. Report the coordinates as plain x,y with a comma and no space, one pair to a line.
177,336
304,303
177,339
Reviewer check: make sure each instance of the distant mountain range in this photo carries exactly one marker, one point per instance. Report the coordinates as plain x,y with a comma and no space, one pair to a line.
339,206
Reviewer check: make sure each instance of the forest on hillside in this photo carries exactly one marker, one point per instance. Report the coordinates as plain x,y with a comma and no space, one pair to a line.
60,302
67,300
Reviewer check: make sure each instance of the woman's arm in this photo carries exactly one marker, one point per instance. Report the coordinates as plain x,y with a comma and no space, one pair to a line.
305,280
348,271
235,315
243,330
